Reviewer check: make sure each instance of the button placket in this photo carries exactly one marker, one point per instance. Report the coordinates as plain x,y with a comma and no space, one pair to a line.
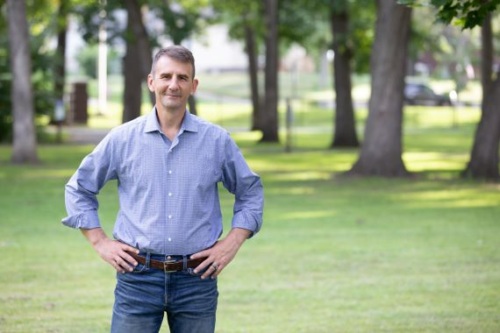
169,205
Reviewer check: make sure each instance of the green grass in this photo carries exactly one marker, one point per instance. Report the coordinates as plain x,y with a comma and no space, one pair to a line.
335,254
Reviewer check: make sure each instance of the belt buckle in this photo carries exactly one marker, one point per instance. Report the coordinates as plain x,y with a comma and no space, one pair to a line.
167,262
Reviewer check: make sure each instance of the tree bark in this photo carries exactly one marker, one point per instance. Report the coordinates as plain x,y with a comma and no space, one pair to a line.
251,50
192,105
24,132
484,158
137,31
381,152
345,125
269,118
133,74
178,35
60,58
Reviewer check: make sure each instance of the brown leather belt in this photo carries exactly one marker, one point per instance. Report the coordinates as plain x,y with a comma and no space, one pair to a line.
168,265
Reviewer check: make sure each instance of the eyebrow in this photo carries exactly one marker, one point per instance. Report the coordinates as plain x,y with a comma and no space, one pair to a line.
181,75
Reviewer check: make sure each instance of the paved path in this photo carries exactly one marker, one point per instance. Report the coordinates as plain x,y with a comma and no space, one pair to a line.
84,135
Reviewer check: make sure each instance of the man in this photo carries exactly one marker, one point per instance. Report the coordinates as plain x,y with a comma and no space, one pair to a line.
166,248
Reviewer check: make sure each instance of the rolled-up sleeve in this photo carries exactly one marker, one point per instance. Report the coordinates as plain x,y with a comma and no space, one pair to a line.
247,188
83,187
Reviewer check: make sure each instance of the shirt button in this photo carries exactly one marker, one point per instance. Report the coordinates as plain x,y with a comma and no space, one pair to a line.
169,239
169,194
169,172
170,216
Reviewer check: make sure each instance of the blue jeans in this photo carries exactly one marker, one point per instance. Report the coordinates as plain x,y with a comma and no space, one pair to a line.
143,296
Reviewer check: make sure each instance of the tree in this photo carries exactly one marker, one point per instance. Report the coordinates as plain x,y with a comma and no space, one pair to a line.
41,33
24,134
484,157
181,21
269,125
244,21
345,125
138,51
350,27
59,58
381,151
253,69
483,162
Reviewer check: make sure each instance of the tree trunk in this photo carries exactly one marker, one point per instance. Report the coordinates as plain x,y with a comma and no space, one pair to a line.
381,152
24,132
60,58
251,50
192,105
269,118
484,157
345,125
133,77
138,31
178,35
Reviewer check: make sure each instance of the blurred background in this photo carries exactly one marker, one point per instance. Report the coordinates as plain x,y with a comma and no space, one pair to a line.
82,59
375,126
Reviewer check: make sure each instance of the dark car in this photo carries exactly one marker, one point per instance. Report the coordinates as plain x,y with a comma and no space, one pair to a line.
422,94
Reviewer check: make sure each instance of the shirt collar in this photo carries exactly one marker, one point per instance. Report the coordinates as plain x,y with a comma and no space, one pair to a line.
189,123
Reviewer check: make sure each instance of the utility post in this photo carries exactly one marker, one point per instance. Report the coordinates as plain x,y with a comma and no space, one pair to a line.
289,122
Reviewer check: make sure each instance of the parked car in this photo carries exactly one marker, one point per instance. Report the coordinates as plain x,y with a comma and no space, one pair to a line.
422,94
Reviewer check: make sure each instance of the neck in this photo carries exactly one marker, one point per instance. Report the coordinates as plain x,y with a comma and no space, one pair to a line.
170,121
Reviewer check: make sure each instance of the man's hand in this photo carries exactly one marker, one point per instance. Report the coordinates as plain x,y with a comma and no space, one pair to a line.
113,252
221,254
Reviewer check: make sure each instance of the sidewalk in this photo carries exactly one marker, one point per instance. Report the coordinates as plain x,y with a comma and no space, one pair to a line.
83,135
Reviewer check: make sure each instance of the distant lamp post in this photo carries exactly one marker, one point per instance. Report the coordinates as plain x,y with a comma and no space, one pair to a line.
454,102
59,116
289,122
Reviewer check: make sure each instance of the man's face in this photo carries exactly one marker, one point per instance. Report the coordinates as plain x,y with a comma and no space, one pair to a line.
172,83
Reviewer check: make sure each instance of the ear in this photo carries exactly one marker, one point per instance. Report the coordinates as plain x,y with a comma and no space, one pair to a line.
151,83
195,86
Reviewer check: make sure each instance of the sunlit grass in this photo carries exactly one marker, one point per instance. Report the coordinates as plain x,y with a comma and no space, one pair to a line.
336,254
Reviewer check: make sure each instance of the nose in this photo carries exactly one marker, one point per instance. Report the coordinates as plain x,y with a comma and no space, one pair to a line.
174,84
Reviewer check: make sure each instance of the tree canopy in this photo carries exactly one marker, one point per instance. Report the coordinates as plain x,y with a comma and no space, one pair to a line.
464,13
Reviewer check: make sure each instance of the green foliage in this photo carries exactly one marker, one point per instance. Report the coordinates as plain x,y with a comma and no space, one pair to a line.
464,13
41,61
91,14
182,19
87,59
467,14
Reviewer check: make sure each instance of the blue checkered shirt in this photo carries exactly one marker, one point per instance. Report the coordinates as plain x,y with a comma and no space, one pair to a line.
168,191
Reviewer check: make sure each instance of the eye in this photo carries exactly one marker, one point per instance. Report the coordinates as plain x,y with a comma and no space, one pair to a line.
165,76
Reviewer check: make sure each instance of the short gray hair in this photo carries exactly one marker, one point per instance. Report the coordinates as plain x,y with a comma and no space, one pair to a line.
176,52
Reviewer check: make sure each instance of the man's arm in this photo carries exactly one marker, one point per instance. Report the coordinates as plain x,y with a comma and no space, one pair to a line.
113,252
222,253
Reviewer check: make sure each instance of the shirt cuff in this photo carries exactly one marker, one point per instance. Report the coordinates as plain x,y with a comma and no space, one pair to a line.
246,221
87,220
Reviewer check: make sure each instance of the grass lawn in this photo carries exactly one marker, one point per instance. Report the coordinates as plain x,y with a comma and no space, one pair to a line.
335,254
